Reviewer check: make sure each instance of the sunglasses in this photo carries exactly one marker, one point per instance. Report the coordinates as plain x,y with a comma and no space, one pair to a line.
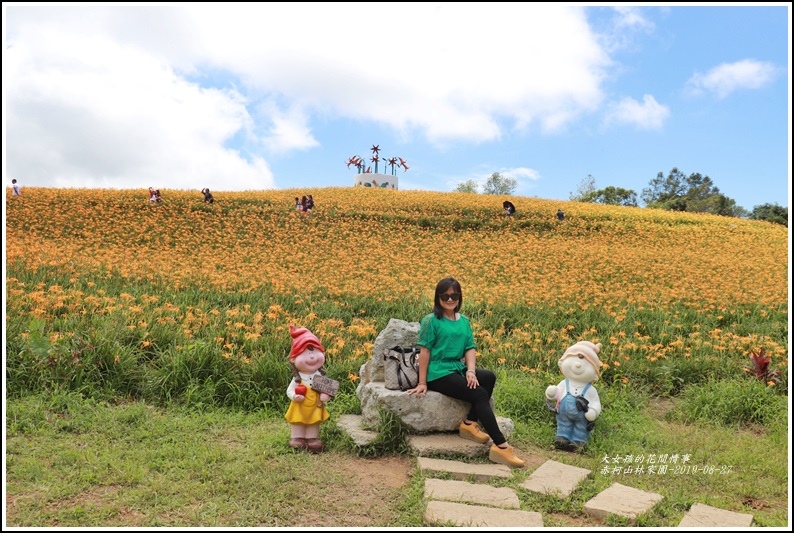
455,296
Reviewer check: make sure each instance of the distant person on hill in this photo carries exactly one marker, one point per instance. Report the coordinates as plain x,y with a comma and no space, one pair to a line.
152,195
157,197
298,204
208,198
305,205
310,203
560,215
16,189
509,208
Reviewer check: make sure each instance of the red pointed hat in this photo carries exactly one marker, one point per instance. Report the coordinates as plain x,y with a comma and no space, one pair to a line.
302,338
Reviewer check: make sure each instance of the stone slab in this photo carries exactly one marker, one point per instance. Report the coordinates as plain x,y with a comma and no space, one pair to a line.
622,501
439,443
353,426
464,471
555,478
474,493
446,444
442,443
700,515
461,514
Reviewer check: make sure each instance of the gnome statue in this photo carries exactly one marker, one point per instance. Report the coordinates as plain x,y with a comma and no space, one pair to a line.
574,399
307,406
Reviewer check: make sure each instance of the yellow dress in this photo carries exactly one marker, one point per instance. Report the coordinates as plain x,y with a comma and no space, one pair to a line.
310,411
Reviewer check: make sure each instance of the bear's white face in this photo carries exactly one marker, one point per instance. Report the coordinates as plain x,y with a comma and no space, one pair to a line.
309,360
577,368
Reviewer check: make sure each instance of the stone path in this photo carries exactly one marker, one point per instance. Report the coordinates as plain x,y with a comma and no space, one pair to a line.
467,500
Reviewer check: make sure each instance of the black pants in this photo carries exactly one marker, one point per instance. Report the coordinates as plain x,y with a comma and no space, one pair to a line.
455,386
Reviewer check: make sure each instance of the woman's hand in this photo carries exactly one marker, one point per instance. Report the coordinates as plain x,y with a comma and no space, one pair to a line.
420,390
471,380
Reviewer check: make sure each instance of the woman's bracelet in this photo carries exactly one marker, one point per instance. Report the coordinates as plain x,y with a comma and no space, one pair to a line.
420,383
471,372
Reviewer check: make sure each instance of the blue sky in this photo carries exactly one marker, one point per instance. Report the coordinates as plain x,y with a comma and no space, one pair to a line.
272,95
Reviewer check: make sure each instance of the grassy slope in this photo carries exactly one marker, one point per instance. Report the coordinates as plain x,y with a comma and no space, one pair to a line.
715,285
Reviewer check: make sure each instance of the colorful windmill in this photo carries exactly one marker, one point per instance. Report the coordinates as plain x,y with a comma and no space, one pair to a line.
359,163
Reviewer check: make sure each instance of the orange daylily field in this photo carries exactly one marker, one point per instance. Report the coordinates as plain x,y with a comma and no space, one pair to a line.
650,285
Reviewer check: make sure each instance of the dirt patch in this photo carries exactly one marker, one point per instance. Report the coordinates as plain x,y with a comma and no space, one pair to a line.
533,457
659,407
367,496
564,520
390,472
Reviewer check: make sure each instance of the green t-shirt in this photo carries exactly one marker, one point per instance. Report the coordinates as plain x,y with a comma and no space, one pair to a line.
448,340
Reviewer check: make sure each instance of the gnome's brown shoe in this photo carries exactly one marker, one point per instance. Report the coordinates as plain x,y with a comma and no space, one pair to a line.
315,445
297,442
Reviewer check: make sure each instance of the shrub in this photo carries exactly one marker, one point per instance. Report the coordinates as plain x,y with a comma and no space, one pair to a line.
729,403
761,367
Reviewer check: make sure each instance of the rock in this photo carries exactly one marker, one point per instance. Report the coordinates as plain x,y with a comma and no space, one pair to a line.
396,333
433,413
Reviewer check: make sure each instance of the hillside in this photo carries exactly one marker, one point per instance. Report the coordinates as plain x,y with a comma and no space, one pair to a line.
146,349
401,242
672,290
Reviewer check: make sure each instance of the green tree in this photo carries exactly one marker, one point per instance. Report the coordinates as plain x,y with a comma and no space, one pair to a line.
719,204
586,187
771,213
498,184
694,193
666,192
740,212
467,186
611,196
703,197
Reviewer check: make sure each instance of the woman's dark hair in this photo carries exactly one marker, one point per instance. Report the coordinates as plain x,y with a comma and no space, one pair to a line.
442,287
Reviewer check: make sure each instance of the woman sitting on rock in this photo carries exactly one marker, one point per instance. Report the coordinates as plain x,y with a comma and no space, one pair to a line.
446,338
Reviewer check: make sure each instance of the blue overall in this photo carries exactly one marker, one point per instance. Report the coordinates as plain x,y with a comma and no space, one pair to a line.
571,422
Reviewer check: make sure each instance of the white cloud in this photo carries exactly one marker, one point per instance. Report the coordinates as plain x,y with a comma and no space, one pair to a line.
623,28
289,130
86,112
521,174
632,18
727,78
444,71
646,115
196,95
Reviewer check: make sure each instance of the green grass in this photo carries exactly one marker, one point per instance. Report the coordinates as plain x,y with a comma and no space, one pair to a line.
76,462
103,431
180,422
